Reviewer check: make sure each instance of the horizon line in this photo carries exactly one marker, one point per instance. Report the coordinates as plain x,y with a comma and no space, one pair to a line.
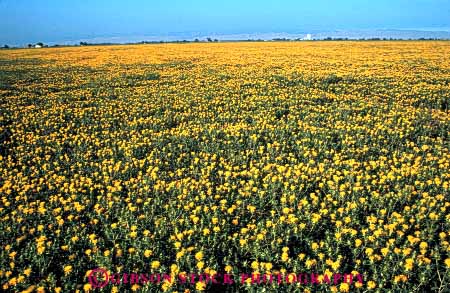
442,33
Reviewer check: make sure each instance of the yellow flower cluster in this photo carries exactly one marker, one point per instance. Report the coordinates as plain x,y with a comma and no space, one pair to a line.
324,157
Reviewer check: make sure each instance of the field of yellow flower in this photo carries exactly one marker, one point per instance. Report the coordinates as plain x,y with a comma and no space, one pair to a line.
313,157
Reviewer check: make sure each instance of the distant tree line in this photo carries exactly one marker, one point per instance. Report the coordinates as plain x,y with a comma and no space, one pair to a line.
210,40
39,44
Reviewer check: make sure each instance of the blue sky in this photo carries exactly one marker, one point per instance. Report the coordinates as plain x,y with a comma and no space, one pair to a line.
28,21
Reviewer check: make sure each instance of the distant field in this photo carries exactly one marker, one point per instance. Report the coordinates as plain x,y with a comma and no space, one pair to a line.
309,157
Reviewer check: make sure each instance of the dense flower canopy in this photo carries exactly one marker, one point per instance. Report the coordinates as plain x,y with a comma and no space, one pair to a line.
231,157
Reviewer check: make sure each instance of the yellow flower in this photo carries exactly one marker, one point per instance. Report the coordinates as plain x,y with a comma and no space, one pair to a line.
400,278
409,264
67,270
254,265
200,286
27,272
344,287
423,245
135,287
12,282
166,286
148,253
371,285
335,265
200,265
155,264
199,255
